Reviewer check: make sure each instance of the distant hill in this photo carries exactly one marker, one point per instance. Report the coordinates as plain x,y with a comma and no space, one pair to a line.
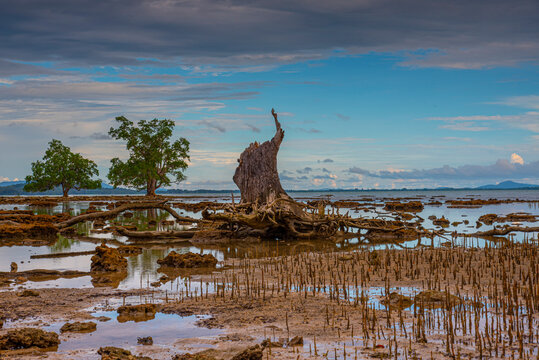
16,188
507,185
9,183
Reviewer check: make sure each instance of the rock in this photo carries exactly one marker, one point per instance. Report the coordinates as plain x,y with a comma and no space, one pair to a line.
108,259
435,298
115,353
128,250
28,292
296,341
148,340
252,353
268,343
80,327
27,338
136,313
14,267
398,300
413,206
189,260
189,356
443,222
111,279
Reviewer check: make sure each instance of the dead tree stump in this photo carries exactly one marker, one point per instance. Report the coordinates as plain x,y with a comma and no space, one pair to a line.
256,175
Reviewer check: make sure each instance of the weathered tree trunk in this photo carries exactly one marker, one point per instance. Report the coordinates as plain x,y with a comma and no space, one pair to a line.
151,186
65,191
256,175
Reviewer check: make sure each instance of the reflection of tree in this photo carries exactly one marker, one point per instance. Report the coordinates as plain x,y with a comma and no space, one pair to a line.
63,243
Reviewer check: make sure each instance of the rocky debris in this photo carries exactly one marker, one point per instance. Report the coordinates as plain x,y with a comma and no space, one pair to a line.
136,313
28,292
27,338
488,219
236,337
267,343
129,250
398,300
410,206
40,275
296,341
108,259
148,340
80,327
115,353
398,235
20,231
99,224
252,353
188,260
110,279
43,203
433,298
443,222
189,356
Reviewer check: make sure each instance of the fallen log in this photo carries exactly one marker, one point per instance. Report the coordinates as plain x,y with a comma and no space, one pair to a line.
171,234
60,255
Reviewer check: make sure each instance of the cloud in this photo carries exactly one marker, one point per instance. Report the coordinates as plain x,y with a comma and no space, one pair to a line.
305,170
213,125
527,121
343,117
516,159
94,136
253,128
308,131
325,161
212,35
3,178
502,169
466,126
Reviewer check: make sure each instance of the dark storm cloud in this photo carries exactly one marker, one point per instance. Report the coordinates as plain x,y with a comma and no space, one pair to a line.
10,68
457,33
501,169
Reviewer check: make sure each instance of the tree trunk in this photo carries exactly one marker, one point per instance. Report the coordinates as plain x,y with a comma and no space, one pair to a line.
256,175
65,190
150,187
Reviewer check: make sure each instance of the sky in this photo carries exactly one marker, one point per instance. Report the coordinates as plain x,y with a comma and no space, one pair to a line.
371,94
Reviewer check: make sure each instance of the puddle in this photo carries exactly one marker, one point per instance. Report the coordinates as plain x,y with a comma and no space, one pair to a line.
165,329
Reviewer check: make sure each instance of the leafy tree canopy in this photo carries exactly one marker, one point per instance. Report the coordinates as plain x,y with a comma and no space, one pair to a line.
154,160
61,167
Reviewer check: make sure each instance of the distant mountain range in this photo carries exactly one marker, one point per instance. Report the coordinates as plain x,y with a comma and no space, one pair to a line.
507,185
16,188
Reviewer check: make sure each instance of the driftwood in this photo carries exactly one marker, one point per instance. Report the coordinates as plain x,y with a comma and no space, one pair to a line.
503,231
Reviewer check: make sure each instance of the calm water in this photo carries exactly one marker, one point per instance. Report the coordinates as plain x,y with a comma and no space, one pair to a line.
143,268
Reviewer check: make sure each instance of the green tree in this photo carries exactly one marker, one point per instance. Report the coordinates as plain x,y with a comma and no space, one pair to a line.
154,160
61,167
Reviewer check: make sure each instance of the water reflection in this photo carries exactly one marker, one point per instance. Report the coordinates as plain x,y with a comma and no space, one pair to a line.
143,269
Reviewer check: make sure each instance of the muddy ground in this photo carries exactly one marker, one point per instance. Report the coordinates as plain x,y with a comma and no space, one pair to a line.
453,301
